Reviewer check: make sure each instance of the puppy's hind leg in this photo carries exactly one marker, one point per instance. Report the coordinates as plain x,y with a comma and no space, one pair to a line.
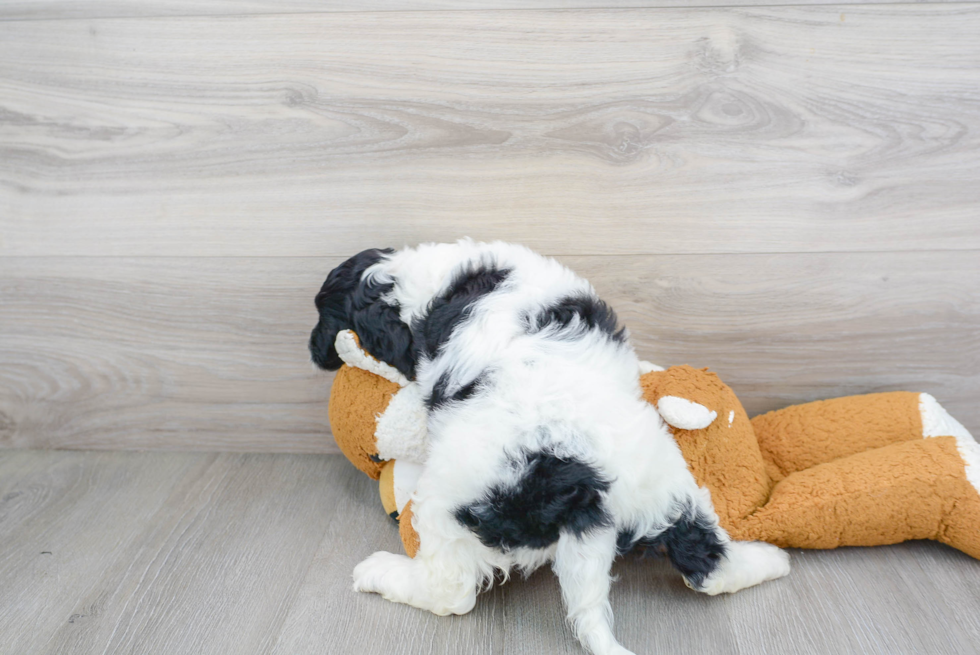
582,564
710,562
746,564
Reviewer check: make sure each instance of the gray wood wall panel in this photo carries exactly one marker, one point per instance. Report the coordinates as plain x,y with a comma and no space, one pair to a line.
87,9
210,353
252,554
767,129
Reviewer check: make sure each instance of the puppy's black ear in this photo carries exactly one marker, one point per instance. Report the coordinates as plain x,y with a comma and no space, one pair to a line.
382,333
335,302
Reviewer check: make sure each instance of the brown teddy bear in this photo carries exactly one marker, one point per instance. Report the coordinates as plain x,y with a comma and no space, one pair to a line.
379,422
856,471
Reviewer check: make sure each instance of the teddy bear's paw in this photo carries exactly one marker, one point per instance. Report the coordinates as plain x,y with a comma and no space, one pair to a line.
970,453
349,350
936,421
746,564
402,430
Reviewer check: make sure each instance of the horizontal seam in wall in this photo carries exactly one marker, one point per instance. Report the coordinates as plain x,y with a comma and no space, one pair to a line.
764,253
948,4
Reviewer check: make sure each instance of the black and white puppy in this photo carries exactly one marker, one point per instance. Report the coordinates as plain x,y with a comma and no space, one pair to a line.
541,448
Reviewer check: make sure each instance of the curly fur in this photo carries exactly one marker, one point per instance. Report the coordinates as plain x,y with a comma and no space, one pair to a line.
541,448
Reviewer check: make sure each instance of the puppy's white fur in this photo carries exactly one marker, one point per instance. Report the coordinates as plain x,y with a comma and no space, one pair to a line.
586,391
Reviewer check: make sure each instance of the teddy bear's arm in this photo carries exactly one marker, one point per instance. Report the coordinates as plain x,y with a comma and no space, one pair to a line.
397,484
350,351
402,430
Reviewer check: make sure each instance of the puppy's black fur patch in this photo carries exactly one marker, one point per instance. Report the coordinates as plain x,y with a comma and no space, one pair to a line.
572,315
691,544
347,302
454,305
553,494
441,397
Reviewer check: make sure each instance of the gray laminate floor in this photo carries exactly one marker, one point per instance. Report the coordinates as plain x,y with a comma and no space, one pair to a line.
119,552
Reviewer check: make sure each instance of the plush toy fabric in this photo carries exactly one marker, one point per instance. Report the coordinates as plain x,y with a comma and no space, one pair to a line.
375,415
379,422
857,471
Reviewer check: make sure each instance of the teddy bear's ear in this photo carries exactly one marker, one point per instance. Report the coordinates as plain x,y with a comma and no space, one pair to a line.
348,348
684,414
649,367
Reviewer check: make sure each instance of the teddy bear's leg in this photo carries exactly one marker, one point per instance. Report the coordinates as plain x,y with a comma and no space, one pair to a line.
802,436
921,489
410,538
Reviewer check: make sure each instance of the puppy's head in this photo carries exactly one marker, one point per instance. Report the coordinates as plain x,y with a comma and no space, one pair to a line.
349,301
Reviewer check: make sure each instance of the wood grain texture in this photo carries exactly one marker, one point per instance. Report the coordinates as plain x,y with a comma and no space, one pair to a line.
163,553
327,611
210,353
66,519
86,9
768,129
234,546
252,554
187,353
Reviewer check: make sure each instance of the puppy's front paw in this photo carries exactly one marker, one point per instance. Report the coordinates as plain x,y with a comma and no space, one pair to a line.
371,574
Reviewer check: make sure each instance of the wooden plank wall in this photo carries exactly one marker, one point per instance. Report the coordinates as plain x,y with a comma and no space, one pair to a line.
48,9
787,194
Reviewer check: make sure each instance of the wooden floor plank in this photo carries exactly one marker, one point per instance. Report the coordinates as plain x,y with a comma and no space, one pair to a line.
866,595
867,600
768,129
217,567
66,519
326,610
210,354
165,552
